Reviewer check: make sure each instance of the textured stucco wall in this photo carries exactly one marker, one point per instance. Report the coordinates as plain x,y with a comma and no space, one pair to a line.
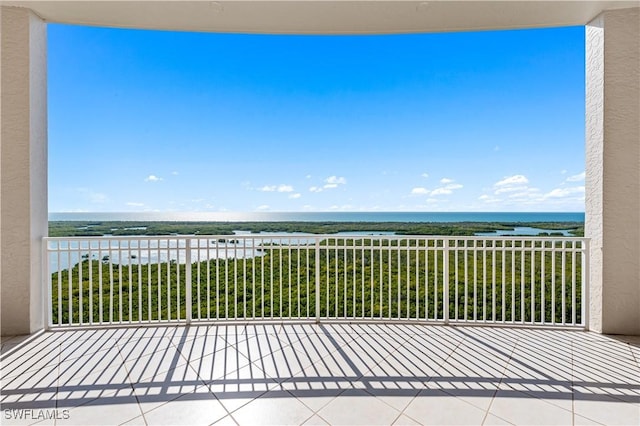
23,168
613,170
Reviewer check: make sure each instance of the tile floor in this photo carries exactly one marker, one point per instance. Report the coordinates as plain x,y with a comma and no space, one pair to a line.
320,374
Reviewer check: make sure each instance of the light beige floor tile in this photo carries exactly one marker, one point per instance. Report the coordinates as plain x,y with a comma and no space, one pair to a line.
398,401
219,364
83,348
195,408
607,410
432,407
316,421
156,363
403,420
583,421
200,346
138,421
226,421
491,420
105,411
78,389
267,410
25,360
241,387
356,407
133,349
283,364
155,391
31,382
522,409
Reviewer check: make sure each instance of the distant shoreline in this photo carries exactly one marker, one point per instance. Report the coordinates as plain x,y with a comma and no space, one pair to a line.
97,228
343,217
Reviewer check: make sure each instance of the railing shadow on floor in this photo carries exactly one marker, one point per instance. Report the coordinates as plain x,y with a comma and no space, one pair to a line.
66,369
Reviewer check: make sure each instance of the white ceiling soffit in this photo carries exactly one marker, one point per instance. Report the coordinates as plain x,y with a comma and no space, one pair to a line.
322,17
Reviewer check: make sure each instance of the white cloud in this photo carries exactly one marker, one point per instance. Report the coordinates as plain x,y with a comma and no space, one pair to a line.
512,180
285,188
576,178
441,191
425,175
276,188
175,173
132,204
335,180
506,189
263,207
331,182
420,191
296,195
308,176
447,189
565,192
496,148
152,178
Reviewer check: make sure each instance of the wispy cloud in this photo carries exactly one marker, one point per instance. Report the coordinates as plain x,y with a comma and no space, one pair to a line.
331,182
511,180
509,184
449,185
296,195
276,188
134,204
564,192
420,191
576,178
515,191
425,175
153,178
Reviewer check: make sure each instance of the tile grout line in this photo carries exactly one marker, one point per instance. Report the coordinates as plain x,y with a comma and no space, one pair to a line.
133,391
424,384
506,367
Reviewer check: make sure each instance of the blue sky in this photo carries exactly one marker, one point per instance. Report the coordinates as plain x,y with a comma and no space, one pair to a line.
170,121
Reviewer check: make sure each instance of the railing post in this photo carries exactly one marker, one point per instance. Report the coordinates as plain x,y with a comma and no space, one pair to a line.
46,282
317,280
445,282
586,253
188,280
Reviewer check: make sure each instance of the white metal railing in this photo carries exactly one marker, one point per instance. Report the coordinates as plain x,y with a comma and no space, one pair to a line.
477,280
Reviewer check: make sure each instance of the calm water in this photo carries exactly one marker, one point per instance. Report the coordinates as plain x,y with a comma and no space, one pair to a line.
326,217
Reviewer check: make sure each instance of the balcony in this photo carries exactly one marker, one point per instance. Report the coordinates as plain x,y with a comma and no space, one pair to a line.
320,374
267,333
109,366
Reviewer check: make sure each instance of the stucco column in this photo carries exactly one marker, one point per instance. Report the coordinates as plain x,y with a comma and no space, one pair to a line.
23,168
613,170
